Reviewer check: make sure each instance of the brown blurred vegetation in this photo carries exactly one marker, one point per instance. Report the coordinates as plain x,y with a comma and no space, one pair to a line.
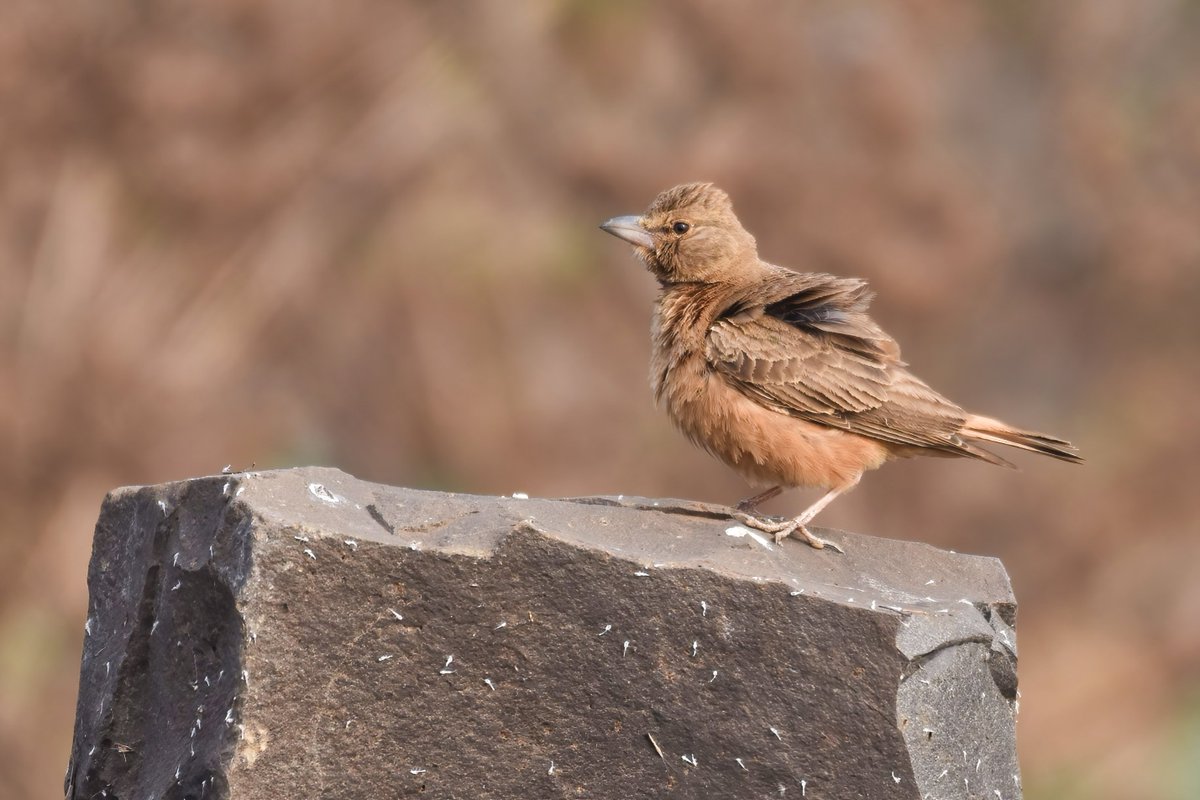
364,234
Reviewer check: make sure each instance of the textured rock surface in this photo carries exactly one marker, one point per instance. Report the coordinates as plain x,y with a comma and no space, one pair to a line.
305,634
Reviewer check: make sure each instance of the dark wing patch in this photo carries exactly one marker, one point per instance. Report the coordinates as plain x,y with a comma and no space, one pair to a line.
837,307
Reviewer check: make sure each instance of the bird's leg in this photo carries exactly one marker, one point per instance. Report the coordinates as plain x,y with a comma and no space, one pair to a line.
751,503
797,526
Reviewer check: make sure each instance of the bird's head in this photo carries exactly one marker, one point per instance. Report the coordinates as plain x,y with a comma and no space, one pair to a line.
689,234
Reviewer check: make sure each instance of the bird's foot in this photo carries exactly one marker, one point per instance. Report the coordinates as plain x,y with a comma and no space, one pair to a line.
801,531
781,529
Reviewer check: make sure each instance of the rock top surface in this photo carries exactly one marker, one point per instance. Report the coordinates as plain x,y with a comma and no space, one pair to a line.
303,633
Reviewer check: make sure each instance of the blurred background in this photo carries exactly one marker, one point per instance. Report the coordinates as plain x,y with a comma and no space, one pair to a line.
363,234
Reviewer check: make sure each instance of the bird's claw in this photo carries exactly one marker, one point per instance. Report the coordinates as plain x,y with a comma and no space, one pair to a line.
800,531
819,543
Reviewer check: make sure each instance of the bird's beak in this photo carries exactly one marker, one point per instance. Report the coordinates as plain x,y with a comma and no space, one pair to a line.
630,229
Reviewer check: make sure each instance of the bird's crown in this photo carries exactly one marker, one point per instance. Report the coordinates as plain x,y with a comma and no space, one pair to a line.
691,195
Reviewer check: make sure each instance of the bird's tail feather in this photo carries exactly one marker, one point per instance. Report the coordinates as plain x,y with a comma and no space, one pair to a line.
986,429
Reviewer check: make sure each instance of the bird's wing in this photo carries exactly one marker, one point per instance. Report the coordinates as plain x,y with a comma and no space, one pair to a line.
804,346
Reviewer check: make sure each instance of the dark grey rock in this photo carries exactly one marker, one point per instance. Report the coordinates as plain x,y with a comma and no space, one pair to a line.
304,634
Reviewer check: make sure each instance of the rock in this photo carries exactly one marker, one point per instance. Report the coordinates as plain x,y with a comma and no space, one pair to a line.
301,633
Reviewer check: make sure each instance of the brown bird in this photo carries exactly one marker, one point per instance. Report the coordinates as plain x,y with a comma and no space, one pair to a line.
781,374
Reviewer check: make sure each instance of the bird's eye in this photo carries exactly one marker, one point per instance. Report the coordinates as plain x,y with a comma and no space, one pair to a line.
681,227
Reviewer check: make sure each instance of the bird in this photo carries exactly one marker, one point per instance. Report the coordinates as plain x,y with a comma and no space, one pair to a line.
783,375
